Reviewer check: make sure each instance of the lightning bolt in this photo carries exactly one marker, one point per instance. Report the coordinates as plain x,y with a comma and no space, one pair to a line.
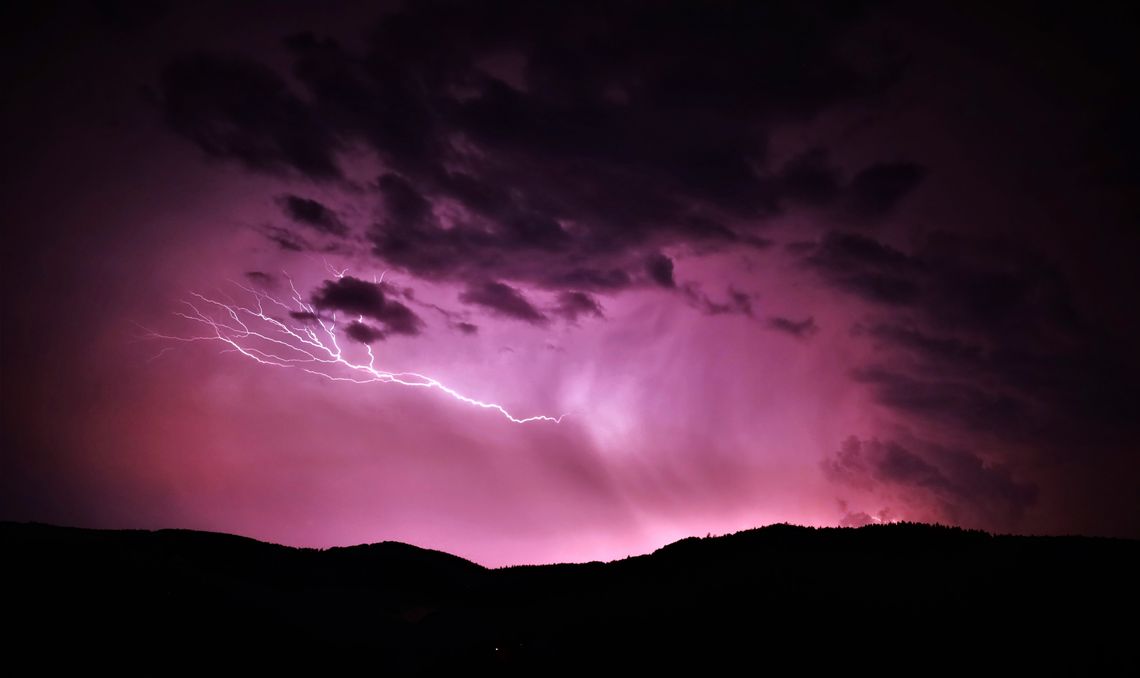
252,332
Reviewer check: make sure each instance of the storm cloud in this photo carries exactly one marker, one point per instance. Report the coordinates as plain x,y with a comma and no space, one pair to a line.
515,153
312,214
503,300
722,238
949,485
356,297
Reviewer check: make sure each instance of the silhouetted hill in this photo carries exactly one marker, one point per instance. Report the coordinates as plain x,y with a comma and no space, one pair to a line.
889,599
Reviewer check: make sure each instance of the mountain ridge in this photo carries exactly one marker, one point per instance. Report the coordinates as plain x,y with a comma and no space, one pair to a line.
779,591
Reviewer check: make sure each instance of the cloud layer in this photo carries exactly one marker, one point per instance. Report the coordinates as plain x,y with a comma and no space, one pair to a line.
511,151
777,261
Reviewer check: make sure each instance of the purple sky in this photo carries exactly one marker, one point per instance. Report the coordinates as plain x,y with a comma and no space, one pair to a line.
775,263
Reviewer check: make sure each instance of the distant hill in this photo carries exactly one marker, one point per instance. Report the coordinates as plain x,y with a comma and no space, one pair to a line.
902,598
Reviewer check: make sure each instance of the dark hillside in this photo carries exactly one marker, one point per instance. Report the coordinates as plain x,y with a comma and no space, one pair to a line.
899,598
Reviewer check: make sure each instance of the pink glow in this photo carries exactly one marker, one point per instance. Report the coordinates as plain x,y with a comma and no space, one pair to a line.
666,412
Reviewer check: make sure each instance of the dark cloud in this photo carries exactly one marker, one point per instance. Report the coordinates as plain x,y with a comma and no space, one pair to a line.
800,329
928,349
660,270
356,297
867,268
801,247
572,305
988,285
603,144
236,108
736,303
961,402
406,208
996,285
363,333
596,280
285,239
313,214
261,278
455,320
951,485
305,316
503,300
1063,396
876,190
808,179
983,335
126,16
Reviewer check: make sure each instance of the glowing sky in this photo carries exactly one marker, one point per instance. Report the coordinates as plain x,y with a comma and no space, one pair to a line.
773,263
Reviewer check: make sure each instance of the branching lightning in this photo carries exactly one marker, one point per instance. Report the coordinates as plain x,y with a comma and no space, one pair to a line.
315,348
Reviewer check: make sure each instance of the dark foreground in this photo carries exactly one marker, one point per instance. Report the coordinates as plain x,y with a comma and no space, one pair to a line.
893,599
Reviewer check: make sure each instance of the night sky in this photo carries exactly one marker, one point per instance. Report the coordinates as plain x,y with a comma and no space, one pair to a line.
827,264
